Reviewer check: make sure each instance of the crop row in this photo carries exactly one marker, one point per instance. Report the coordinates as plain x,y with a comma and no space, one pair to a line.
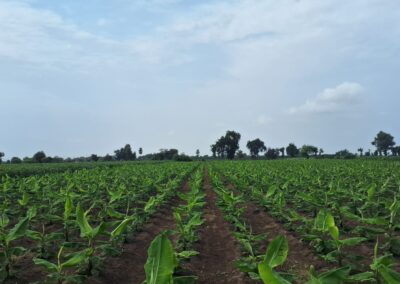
317,201
66,223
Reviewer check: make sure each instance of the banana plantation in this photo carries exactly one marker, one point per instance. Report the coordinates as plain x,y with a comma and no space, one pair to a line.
282,221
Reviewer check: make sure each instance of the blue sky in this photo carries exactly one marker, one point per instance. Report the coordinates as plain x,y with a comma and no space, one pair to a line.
83,77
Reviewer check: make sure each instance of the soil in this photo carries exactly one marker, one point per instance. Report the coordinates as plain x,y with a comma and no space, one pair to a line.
128,268
217,247
300,256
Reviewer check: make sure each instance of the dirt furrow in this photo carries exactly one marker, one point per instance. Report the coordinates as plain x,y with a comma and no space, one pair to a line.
128,268
217,247
301,255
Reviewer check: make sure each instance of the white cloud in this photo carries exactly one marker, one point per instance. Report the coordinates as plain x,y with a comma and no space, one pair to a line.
339,98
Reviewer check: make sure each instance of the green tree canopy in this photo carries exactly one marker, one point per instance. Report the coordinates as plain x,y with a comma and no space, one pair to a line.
255,147
39,157
16,160
227,145
383,142
125,154
307,150
292,150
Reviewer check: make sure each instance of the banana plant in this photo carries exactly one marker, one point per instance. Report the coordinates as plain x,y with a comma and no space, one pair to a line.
382,270
90,234
276,255
335,276
57,271
162,263
8,251
68,207
187,229
325,223
44,240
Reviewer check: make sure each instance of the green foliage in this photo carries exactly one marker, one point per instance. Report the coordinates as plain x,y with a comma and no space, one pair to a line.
276,255
162,262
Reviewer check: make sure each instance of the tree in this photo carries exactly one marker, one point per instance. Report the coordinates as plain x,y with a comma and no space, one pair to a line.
94,158
227,145
307,150
292,150
345,154
39,157
125,154
241,155
1,156
197,153
383,142
219,148
320,151
166,154
108,158
282,150
16,160
214,150
140,151
256,146
396,151
272,153
361,151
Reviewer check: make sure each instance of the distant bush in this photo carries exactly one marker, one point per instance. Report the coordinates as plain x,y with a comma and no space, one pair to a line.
344,154
182,158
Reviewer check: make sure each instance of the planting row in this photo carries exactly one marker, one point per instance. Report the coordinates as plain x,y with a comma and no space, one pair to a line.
59,227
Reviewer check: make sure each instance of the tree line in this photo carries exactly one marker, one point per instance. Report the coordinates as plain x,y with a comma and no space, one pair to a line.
125,153
227,146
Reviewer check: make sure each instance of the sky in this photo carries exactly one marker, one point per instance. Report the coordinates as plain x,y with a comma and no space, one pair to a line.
81,77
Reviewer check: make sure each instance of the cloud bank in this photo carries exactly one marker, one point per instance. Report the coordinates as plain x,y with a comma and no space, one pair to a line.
342,97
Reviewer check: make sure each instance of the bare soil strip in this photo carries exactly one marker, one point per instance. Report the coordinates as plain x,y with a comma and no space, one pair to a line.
128,268
217,247
300,256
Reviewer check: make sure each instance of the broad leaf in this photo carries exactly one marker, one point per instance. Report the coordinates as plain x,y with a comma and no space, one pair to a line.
277,251
82,221
352,241
120,228
268,276
161,261
18,230
46,264
75,259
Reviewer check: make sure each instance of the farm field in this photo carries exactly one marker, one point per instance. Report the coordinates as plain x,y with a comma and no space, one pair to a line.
284,221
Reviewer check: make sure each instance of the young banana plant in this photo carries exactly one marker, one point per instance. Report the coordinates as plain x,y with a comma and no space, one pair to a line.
335,276
57,272
276,255
162,262
90,234
383,270
8,251
325,223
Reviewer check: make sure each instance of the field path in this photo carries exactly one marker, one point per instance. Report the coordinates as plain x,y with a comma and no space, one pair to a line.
217,247
128,268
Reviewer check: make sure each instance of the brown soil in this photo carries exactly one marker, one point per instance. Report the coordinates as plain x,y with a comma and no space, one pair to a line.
129,267
217,247
300,256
